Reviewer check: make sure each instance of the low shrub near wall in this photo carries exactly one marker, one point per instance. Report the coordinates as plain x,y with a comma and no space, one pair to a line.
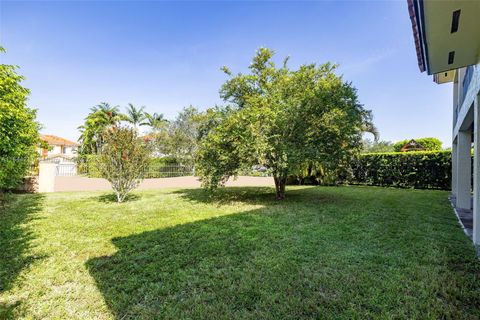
158,168
88,165
167,168
422,170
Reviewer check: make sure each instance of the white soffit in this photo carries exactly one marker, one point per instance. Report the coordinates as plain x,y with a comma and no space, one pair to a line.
441,41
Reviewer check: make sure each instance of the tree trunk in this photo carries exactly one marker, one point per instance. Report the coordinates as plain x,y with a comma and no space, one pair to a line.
280,187
309,170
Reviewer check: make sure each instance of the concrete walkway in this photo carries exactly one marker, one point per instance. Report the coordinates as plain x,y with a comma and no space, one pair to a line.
465,217
78,183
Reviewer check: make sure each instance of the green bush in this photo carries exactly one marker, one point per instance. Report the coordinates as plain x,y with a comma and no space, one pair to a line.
297,180
422,170
18,129
293,180
123,160
88,165
167,168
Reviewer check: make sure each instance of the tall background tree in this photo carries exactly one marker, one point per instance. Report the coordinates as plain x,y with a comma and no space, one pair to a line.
282,119
18,128
135,116
101,117
372,146
179,138
155,121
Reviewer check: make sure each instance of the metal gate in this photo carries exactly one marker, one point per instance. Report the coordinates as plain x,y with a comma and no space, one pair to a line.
66,170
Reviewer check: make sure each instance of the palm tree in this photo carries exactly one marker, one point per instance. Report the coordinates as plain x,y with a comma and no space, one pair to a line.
368,126
155,121
371,128
100,118
104,107
135,116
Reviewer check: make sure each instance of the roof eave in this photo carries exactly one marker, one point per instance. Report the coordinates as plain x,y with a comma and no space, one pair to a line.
416,18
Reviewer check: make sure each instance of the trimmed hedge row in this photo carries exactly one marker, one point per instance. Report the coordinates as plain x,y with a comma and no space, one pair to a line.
421,170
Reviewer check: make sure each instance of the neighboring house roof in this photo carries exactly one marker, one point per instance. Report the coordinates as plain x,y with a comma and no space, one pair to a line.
412,145
57,141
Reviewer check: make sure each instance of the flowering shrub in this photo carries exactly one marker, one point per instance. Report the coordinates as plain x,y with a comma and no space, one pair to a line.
123,161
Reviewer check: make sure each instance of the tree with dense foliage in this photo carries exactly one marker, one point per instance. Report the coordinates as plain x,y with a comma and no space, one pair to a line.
18,128
123,160
135,116
370,146
100,118
179,139
282,119
430,144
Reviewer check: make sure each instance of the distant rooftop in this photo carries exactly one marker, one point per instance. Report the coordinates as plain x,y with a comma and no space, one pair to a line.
57,141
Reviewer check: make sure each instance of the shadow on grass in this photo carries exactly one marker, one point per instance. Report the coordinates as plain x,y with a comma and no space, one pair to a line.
255,196
112,198
198,270
15,241
287,261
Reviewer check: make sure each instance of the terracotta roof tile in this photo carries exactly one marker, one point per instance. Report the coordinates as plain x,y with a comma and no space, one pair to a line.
57,141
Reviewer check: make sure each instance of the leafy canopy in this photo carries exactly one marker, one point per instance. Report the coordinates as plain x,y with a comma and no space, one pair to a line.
135,116
282,119
18,128
155,121
179,138
370,146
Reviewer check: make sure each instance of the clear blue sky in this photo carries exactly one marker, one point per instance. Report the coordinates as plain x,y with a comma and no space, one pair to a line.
167,55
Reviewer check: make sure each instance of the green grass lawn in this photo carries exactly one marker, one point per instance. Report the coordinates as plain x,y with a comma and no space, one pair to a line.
324,252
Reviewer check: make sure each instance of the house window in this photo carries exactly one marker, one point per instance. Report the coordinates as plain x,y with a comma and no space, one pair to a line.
64,150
